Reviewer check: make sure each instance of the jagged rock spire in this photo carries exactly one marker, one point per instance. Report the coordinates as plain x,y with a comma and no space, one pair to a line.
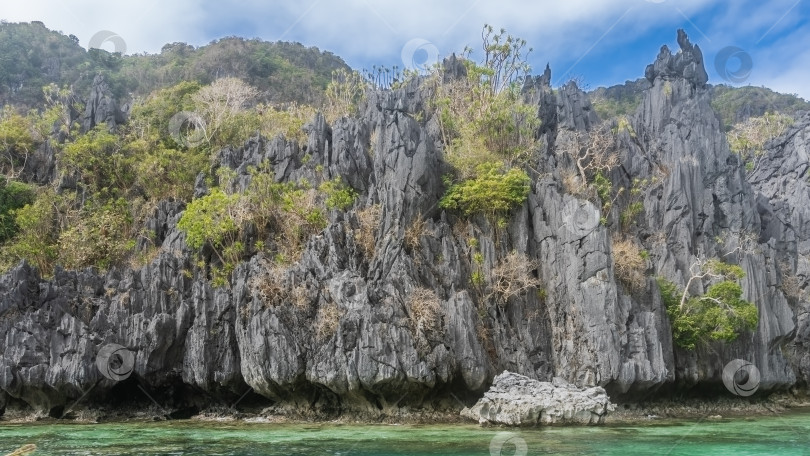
687,63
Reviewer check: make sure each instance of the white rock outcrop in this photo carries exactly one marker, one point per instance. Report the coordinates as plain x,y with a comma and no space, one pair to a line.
516,400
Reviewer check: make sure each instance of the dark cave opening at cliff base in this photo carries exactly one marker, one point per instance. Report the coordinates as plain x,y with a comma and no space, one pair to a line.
172,400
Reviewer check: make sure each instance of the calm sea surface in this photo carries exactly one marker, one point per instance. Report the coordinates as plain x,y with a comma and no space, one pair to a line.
774,435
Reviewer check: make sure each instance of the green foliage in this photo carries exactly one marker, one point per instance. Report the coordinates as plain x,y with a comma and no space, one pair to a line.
603,187
282,216
285,72
101,237
210,220
100,161
608,108
26,51
165,174
720,314
636,205
338,194
727,271
150,117
16,141
13,195
622,124
493,189
141,161
630,213
620,100
39,225
735,104
288,208
685,326
479,125
288,121
748,138
344,94
733,315
483,117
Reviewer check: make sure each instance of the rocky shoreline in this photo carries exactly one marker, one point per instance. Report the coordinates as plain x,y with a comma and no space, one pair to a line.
661,410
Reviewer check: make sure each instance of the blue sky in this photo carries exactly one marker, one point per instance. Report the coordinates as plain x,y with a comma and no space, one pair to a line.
600,42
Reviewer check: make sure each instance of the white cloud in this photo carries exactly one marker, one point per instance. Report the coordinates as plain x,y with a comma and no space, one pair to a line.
145,26
785,65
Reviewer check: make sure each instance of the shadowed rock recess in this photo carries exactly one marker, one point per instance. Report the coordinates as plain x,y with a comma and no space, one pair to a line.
199,346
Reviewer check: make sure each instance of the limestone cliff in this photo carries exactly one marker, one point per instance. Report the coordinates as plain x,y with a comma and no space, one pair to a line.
197,344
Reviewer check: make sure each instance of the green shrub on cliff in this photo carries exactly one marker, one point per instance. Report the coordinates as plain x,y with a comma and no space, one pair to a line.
338,194
748,139
718,315
279,216
13,196
492,190
40,224
487,129
101,237
482,117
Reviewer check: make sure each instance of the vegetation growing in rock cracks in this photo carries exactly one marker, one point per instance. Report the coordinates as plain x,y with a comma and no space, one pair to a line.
344,94
748,138
594,155
487,129
281,215
493,189
720,314
13,196
140,163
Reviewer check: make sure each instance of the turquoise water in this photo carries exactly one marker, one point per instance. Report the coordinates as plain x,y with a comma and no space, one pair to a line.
775,435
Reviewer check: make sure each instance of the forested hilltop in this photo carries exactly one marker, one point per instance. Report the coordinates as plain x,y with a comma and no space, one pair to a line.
251,216
733,104
32,57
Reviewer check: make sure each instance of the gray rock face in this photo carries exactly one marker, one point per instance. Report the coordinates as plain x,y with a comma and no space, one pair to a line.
335,332
783,190
515,400
686,64
101,107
